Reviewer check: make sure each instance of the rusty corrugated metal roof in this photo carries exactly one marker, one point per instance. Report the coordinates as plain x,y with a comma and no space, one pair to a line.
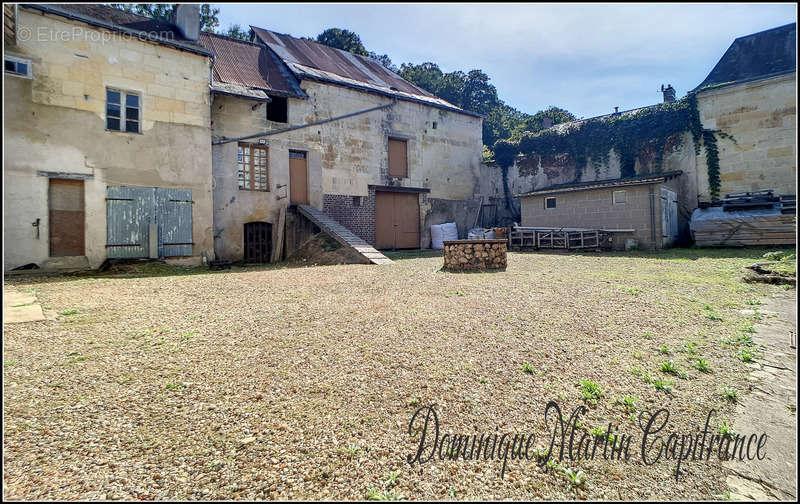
311,60
248,65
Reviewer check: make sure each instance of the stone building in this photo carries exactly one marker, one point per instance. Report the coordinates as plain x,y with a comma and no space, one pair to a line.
313,125
750,96
129,137
107,128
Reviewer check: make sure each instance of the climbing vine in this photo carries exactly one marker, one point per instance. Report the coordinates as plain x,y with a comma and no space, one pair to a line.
637,135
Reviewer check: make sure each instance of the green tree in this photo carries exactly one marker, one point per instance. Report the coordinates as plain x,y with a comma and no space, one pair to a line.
343,39
237,32
209,19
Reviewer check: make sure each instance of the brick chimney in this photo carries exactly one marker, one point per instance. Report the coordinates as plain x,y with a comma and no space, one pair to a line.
187,18
669,93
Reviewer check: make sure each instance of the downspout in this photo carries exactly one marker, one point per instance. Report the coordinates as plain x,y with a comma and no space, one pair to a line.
301,126
652,214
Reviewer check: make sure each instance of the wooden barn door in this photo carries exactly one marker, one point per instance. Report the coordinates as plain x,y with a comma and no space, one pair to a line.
67,222
396,220
298,178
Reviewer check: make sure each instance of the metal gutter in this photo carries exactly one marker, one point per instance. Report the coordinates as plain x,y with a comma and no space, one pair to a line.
301,126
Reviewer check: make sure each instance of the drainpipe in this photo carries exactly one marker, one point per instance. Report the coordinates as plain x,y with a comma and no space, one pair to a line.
652,195
301,126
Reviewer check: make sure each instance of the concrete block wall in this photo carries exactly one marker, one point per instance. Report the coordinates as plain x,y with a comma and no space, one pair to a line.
595,210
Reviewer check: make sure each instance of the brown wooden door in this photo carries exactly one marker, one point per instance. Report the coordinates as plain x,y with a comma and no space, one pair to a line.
67,221
298,178
398,158
396,220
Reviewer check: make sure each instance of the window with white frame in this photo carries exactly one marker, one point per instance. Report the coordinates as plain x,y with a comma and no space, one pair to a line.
549,203
20,67
619,197
252,163
123,111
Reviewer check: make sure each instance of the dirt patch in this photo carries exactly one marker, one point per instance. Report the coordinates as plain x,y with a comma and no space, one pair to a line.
321,249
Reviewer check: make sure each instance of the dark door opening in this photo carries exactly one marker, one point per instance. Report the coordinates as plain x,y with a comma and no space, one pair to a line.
257,242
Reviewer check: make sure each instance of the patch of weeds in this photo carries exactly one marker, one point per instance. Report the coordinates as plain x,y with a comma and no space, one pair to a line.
710,313
629,402
730,394
351,449
451,492
746,355
575,479
690,347
590,391
637,355
78,358
757,316
662,385
633,291
598,432
527,367
665,350
174,386
702,366
484,380
71,311
188,336
754,302
747,328
9,363
391,479
726,430
414,400
647,335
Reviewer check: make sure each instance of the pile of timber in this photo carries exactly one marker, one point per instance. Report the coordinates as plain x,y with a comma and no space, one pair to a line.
714,226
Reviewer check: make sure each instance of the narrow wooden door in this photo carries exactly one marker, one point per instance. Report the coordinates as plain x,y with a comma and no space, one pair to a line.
298,178
67,221
396,220
257,242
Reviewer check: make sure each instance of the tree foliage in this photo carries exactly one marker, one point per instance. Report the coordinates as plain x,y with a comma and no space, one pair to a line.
237,32
345,40
209,19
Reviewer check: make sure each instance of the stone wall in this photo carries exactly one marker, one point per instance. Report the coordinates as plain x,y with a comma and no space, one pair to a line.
345,158
55,122
762,118
466,255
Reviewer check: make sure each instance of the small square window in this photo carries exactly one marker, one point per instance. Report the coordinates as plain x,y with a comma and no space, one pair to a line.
356,201
619,197
17,66
549,203
278,109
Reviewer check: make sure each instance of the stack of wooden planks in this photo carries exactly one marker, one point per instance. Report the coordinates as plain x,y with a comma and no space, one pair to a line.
716,227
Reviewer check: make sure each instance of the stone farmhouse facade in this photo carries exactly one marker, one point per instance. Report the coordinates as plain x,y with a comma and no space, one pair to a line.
127,137
750,95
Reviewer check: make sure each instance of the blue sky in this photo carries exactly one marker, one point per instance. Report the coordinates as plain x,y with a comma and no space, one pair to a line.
587,58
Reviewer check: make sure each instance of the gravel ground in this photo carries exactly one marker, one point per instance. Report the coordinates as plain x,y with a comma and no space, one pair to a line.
299,383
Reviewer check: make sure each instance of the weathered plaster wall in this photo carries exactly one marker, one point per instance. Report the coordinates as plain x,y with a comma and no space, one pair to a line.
345,157
56,122
761,116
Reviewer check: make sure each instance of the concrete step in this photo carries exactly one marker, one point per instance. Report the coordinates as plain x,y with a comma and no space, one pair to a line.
343,235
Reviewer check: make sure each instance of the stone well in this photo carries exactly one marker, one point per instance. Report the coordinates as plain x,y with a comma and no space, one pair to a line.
463,255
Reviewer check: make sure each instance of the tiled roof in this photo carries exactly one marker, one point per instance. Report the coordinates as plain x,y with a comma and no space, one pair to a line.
126,22
769,53
311,60
245,67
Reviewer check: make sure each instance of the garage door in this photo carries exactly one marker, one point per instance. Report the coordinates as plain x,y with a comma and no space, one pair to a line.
396,220
133,214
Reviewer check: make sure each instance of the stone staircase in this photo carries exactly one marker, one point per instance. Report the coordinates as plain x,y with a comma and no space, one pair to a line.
342,234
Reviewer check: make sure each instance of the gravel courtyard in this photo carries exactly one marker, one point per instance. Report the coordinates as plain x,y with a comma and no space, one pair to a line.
300,382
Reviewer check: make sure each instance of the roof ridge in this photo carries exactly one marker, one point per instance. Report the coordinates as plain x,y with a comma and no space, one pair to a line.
763,31
232,39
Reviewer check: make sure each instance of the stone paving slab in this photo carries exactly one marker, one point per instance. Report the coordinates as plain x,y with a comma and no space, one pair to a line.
771,407
20,307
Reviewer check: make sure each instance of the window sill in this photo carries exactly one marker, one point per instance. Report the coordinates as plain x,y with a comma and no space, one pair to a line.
125,132
254,190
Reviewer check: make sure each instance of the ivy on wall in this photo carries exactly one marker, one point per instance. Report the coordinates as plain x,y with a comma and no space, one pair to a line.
638,135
